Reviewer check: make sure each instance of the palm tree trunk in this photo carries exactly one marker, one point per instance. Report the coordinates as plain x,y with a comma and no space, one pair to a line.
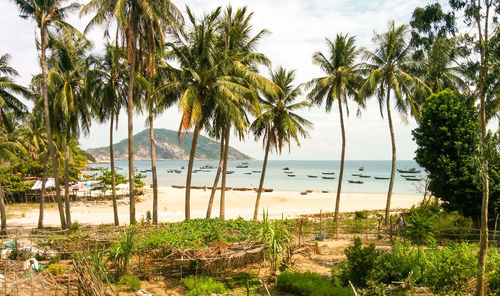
113,175
187,206
3,228
216,180
222,214
66,181
341,173
153,167
130,114
262,176
393,167
44,37
42,192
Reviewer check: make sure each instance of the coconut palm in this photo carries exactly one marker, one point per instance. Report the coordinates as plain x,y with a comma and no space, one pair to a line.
48,14
386,67
136,20
278,124
342,80
68,67
105,79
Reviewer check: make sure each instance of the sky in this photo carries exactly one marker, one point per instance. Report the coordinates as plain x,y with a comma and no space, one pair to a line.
298,29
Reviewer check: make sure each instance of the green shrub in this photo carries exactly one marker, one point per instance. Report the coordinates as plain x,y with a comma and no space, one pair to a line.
309,284
397,264
74,226
56,269
420,227
448,270
201,285
131,283
360,263
493,267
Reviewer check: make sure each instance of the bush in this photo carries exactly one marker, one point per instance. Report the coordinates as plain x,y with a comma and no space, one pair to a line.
130,282
360,263
56,269
398,264
309,284
493,267
420,227
202,285
448,270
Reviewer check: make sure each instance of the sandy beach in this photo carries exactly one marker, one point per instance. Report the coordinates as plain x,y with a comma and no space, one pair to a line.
238,204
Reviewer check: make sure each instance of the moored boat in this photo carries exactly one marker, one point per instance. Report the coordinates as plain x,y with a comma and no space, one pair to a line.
382,178
409,171
328,178
355,181
312,176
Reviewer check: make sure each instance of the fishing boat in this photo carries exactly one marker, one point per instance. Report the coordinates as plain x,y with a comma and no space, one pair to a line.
229,172
177,171
325,191
328,173
288,172
245,163
255,171
248,173
170,171
208,167
409,171
286,169
408,176
364,176
182,168
242,166
361,169
291,175
309,191
328,178
312,176
382,178
355,181
356,175
413,179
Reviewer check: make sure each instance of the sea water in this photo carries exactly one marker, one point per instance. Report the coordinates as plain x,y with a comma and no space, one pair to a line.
277,179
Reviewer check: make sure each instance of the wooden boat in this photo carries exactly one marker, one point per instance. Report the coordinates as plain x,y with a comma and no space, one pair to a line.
170,171
364,176
291,175
355,181
303,193
328,178
256,172
178,186
356,175
413,179
382,178
268,190
242,166
409,171
248,173
361,169
286,169
177,171
288,172
229,172
408,176
325,191
312,176
309,191
328,173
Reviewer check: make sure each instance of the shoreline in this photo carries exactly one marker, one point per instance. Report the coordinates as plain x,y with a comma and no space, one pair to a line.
287,204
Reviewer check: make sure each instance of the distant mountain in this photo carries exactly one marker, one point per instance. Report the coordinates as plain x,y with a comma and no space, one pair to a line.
167,147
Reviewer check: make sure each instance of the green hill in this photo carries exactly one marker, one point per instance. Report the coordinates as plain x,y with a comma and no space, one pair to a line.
167,147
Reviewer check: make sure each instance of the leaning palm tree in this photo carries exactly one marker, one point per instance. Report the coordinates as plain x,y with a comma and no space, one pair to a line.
279,124
386,74
135,19
342,81
48,14
105,80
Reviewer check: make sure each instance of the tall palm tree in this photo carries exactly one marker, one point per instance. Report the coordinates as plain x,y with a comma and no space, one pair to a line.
342,81
105,78
68,68
135,19
10,105
386,67
48,14
279,124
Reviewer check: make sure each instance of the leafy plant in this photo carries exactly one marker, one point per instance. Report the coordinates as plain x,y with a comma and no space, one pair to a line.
202,285
56,269
132,283
360,263
420,228
276,238
309,284
123,250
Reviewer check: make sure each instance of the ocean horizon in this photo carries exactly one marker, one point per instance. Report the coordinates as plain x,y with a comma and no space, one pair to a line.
277,179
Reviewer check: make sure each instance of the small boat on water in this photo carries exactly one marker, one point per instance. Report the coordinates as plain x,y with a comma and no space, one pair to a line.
364,176
361,169
248,173
328,173
355,182
382,178
206,171
208,167
288,172
177,171
325,191
328,178
312,176
229,172
244,163
408,176
356,175
182,168
286,169
409,171
256,172
309,191
413,179
291,175
242,166
170,171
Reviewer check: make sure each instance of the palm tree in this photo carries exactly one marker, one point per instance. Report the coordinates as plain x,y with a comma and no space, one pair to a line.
386,67
278,124
10,105
48,14
136,19
342,81
109,91
68,67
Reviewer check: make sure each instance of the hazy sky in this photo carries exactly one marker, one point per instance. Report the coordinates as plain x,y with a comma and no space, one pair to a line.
298,29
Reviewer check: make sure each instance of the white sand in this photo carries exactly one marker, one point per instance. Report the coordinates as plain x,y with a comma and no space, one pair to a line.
238,204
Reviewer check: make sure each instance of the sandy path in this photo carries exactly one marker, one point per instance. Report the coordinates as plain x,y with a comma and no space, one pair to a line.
238,204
